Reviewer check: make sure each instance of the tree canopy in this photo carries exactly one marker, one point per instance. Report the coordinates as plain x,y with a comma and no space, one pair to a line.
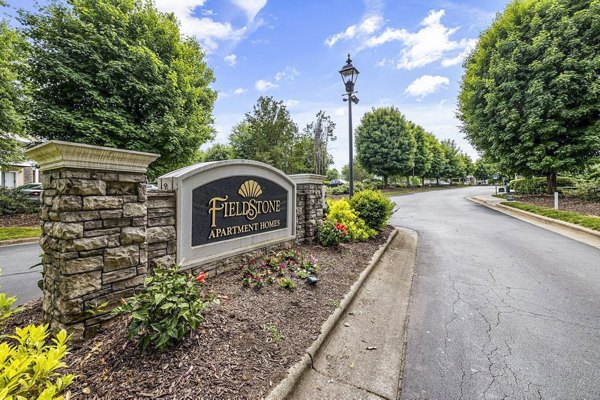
118,73
530,97
385,144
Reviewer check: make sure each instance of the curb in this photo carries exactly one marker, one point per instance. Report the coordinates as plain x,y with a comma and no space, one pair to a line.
12,242
551,221
288,384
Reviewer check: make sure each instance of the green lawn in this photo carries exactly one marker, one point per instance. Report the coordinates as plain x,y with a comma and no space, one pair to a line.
420,189
573,217
18,232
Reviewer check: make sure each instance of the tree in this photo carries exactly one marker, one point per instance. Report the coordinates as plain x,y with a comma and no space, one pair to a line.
267,134
13,92
321,131
332,174
484,170
423,152
456,165
384,143
218,152
438,159
360,173
530,96
118,73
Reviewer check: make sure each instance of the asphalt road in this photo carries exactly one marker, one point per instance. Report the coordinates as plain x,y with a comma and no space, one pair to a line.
17,278
500,308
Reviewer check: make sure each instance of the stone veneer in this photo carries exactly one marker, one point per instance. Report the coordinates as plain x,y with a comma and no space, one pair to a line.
102,231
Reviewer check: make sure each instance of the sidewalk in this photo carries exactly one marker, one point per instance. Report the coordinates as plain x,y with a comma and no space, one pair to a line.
572,231
363,357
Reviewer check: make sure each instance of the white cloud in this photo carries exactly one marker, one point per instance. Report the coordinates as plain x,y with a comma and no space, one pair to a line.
426,84
368,26
291,103
250,7
429,44
263,85
206,30
239,91
468,45
288,73
231,59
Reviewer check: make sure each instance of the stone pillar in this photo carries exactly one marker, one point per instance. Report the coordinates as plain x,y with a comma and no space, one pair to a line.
162,235
93,231
309,205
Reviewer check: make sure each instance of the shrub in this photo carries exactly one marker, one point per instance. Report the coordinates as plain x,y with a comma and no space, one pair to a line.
342,189
589,191
340,211
15,202
169,306
373,207
29,368
537,185
330,233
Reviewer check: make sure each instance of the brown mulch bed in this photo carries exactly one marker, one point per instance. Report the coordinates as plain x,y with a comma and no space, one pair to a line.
564,203
232,355
20,220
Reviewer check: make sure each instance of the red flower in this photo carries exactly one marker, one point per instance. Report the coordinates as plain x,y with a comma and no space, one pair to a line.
200,278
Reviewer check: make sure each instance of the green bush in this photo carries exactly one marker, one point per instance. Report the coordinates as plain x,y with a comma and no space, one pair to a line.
330,233
29,367
169,306
340,211
373,207
588,191
342,189
15,202
537,185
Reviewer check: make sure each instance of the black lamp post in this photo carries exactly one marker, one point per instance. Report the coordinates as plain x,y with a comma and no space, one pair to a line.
349,74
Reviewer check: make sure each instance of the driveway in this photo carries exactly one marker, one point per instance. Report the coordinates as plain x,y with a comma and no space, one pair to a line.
500,308
18,278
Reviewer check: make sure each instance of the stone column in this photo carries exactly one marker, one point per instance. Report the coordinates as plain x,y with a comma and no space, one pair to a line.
309,205
93,231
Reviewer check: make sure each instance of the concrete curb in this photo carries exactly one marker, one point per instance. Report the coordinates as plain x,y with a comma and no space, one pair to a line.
12,242
550,221
288,384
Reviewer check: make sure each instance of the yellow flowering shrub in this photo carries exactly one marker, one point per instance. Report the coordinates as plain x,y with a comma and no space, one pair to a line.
341,212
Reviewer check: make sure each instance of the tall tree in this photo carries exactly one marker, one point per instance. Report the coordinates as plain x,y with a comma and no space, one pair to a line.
218,152
332,174
360,173
267,134
438,160
530,97
13,92
118,73
455,167
321,130
384,143
423,152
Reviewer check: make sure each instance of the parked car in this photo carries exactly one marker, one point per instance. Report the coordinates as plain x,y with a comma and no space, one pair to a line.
33,191
337,182
151,186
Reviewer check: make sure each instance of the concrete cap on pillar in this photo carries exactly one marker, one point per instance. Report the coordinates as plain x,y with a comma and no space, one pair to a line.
56,154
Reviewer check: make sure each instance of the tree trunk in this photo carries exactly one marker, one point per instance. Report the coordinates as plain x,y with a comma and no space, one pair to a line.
407,181
423,181
551,183
385,182
437,181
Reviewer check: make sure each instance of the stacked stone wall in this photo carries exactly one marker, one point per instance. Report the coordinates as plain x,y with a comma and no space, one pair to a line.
162,234
94,243
309,211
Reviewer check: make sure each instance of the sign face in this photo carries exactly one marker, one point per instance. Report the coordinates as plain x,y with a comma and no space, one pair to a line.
235,207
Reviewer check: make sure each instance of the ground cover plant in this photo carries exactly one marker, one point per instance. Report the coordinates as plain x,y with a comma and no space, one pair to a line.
573,217
242,350
284,268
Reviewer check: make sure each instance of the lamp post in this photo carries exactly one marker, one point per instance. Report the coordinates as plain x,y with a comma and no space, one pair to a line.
349,74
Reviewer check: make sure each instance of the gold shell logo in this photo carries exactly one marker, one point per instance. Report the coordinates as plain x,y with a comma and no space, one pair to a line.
250,189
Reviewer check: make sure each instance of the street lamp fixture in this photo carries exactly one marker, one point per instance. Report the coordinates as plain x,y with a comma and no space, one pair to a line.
349,75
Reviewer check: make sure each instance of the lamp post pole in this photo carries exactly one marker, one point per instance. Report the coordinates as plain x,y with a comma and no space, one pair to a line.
349,74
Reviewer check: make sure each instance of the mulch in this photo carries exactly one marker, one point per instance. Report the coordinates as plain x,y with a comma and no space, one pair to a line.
564,203
20,220
232,355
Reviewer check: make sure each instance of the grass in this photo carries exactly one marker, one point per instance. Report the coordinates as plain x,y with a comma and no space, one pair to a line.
573,217
18,232
402,191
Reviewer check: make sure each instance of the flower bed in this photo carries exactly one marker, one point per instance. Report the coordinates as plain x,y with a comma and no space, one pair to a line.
242,350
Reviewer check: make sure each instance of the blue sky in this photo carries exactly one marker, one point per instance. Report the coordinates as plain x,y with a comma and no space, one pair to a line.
408,52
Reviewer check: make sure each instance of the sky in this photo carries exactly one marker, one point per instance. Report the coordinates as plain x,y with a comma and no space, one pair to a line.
409,54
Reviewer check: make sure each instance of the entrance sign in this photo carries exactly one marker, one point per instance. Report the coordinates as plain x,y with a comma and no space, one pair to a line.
230,207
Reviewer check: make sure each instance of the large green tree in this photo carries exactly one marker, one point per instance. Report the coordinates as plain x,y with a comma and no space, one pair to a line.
218,152
118,73
423,152
438,165
267,134
385,145
13,92
530,97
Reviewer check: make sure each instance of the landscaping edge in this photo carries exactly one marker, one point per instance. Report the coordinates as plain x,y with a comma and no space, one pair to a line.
287,385
12,242
551,221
